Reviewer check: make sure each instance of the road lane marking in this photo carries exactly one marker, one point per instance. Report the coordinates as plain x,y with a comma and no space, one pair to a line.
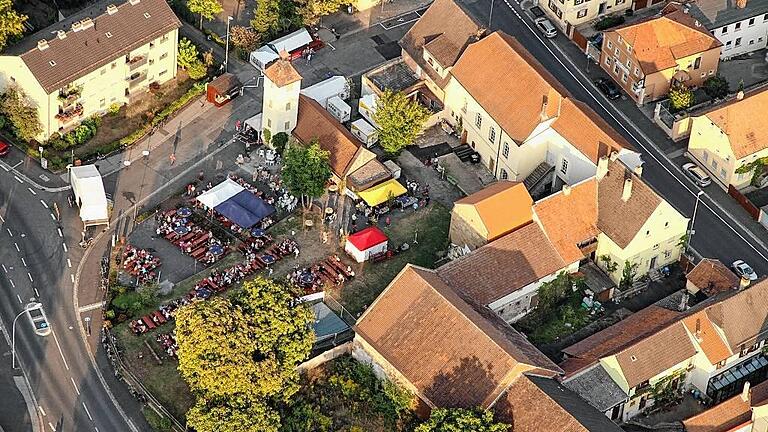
4,269
31,191
42,411
19,297
64,245
53,217
61,234
90,307
5,168
37,293
29,275
69,263
12,284
23,261
72,277
9,232
1,219
51,425
74,385
43,203
66,366
17,164
17,247
87,412
20,181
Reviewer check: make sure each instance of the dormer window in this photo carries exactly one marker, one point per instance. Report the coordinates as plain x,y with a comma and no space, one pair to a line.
52,63
108,34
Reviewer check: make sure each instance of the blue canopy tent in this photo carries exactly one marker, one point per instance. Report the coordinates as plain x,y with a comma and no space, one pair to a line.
236,204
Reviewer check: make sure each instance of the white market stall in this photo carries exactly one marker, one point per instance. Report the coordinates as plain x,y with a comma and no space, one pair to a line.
366,133
89,195
364,244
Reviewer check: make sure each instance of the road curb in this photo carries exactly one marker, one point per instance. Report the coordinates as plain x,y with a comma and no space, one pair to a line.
9,168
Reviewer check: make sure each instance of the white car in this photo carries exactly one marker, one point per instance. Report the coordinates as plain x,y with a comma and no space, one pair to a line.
696,174
546,27
744,270
39,320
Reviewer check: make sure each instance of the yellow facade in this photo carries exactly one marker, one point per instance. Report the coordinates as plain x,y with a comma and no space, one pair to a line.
655,245
712,149
566,13
119,81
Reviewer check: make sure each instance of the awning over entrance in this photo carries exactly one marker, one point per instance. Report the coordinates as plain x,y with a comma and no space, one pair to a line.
382,192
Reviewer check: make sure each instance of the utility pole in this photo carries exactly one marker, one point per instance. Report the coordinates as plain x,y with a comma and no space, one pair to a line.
226,49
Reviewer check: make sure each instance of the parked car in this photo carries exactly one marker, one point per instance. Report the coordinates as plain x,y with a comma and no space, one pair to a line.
744,270
38,319
696,174
546,27
4,149
608,88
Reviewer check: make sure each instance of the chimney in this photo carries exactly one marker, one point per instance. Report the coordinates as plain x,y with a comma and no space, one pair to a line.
741,4
566,189
61,34
134,2
744,282
638,170
111,9
745,392
602,167
698,330
77,26
740,95
627,192
42,44
697,23
544,102
86,23
614,155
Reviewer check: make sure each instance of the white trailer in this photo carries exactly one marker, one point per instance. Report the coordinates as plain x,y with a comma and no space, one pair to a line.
367,107
339,109
89,195
366,133
324,90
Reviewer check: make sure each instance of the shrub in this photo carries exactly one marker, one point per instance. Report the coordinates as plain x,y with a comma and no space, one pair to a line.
114,109
608,22
279,141
129,301
680,97
197,70
716,87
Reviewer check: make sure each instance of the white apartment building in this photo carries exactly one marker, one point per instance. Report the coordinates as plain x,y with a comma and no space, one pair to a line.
740,25
108,53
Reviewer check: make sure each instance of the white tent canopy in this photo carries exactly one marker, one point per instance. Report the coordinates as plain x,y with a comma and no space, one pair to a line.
89,194
220,193
263,57
254,122
292,41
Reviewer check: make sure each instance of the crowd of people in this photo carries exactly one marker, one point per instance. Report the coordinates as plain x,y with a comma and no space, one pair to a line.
140,263
168,342
177,227
331,271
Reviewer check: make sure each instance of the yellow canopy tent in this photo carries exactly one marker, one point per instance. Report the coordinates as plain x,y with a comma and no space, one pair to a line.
381,192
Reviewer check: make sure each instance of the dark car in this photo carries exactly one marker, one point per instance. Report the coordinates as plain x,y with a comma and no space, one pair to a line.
608,88
4,149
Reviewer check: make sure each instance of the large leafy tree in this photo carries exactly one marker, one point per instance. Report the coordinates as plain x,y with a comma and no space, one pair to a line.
312,10
244,38
400,121
22,116
188,54
239,356
11,22
267,17
207,9
461,420
306,170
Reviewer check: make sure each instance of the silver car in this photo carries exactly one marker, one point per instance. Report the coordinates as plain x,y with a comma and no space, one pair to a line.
38,319
696,174
546,27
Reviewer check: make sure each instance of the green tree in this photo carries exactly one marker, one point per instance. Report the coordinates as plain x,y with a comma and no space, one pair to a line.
461,420
244,38
306,170
311,11
279,141
254,416
22,116
267,17
148,294
680,97
197,70
552,292
400,121
188,54
11,22
207,9
716,87
628,274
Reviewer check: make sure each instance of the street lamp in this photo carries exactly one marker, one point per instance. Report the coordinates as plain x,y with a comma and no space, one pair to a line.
226,49
693,219
490,16
27,308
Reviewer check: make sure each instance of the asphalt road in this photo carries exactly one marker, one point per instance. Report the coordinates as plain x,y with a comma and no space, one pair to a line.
38,260
717,234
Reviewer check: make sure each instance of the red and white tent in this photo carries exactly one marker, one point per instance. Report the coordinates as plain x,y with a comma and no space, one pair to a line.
366,243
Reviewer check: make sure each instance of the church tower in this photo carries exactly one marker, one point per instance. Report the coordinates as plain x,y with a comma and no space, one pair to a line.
280,108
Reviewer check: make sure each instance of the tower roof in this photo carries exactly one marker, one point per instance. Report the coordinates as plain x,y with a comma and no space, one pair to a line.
282,73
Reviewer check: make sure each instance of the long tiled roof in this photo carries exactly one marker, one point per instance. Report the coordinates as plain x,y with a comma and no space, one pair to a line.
742,317
736,119
525,255
451,352
110,37
596,387
658,42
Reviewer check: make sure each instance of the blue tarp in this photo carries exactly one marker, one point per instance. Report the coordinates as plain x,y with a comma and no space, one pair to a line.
245,209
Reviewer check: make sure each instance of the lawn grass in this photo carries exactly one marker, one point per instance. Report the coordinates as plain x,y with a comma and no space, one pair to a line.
431,224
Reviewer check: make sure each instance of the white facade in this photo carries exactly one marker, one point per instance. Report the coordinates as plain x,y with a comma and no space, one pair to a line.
280,108
741,37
